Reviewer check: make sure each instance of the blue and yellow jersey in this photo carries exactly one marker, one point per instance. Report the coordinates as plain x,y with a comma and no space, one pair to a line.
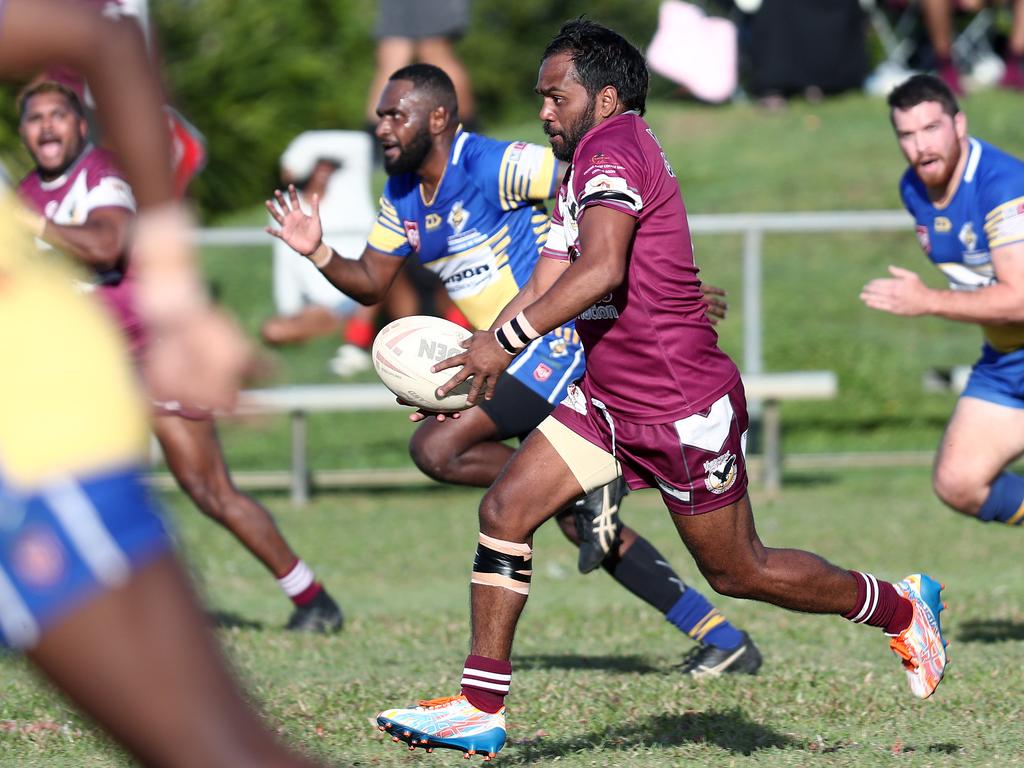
484,228
985,212
69,401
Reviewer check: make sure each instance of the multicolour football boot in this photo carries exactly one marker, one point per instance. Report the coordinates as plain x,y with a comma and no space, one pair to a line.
921,646
449,723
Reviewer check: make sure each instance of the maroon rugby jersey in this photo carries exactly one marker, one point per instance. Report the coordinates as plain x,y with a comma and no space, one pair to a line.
91,182
652,354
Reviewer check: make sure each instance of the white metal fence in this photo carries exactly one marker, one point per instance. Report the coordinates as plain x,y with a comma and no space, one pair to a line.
752,226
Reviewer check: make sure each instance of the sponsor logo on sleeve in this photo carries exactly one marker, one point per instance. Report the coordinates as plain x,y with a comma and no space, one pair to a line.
542,372
412,234
923,238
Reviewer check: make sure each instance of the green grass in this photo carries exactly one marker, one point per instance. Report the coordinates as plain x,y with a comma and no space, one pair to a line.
594,684
839,154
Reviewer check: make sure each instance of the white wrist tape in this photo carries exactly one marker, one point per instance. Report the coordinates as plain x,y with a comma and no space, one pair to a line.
516,334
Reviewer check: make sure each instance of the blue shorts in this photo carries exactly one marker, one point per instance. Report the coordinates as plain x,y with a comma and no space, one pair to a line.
997,377
550,364
66,541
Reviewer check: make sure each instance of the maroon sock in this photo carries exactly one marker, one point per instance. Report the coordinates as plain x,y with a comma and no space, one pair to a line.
880,605
485,682
306,596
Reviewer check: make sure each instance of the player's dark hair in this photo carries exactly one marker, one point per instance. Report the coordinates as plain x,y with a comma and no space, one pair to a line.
919,89
433,81
603,57
48,86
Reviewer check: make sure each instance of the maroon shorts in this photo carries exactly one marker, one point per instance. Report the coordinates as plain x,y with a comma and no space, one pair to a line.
697,463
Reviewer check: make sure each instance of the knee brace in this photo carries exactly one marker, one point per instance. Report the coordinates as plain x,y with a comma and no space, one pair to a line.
505,564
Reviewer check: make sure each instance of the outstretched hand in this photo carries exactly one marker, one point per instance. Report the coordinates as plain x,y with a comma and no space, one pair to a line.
300,232
484,360
902,294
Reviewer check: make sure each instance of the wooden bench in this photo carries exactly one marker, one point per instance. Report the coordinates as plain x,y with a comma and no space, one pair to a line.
299,401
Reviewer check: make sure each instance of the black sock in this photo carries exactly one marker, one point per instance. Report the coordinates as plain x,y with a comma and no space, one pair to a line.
645,573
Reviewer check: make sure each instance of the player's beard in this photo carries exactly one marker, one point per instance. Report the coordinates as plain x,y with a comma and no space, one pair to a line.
572,134
411,156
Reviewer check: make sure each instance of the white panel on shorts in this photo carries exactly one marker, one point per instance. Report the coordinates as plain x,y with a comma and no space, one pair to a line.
710,432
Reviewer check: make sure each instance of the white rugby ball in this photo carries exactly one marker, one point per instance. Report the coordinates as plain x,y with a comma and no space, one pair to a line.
404,352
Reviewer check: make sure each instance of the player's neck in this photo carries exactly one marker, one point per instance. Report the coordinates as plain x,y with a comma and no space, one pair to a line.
432,171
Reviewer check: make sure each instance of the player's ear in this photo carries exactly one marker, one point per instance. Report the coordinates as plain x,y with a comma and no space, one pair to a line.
960,124
439,119
607,101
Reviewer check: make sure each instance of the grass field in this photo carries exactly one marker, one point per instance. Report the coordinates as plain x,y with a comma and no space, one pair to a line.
594,684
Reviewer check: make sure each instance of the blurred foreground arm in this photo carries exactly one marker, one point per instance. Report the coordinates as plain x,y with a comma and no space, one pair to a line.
197,355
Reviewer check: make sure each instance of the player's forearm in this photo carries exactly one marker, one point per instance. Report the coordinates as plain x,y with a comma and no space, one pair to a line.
582,285
98,245
350,276
993,305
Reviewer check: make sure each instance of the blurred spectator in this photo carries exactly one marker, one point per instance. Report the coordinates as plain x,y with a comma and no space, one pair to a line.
423,31
695,50
334,166
938,19
805,46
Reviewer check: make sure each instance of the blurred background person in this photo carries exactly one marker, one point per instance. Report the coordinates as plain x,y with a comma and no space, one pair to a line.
421,31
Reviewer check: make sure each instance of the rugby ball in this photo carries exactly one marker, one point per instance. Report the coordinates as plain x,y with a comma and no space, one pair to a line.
403,353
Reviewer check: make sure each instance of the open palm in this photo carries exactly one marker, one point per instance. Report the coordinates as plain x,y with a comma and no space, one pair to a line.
301,232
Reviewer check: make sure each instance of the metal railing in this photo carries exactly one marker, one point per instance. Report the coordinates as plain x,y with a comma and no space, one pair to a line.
752,226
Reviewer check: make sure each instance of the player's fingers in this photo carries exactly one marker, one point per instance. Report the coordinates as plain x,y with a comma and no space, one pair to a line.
314,206
900,271
450,362
712,290
273,232
293,197
452,383
491,384
273,211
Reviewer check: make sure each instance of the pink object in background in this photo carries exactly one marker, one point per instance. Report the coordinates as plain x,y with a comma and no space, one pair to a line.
694,50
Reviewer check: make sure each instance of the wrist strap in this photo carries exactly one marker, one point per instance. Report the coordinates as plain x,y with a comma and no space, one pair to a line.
516,334
319,259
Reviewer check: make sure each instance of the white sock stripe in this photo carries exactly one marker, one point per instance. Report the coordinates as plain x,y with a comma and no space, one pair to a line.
487,675
297,580
870,598
874,595
483,684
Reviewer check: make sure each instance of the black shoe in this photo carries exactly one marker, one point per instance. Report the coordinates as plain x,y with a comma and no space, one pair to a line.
709,661
597,523
321,614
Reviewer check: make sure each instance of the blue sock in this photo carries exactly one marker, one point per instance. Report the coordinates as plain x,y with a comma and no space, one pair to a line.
694,615
1005,502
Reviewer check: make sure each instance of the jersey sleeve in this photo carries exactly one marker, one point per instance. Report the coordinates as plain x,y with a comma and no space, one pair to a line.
110,192
519,173
388,234
1002,202
610,175
556,246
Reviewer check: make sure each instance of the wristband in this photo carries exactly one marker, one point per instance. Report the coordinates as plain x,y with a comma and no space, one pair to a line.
322,261
516,334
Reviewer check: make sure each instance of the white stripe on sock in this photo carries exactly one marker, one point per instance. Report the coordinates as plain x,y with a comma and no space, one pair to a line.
870,598
487,675
297,580
474,683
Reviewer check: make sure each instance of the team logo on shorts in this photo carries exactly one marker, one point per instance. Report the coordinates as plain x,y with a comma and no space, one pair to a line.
575,399
38,558
720,473
412,234
542,372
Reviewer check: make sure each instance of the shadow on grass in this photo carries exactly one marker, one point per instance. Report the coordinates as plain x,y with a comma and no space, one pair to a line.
626,664
730,730
990,631
227,620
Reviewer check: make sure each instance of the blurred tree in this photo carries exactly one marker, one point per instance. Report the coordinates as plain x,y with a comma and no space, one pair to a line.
251,74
